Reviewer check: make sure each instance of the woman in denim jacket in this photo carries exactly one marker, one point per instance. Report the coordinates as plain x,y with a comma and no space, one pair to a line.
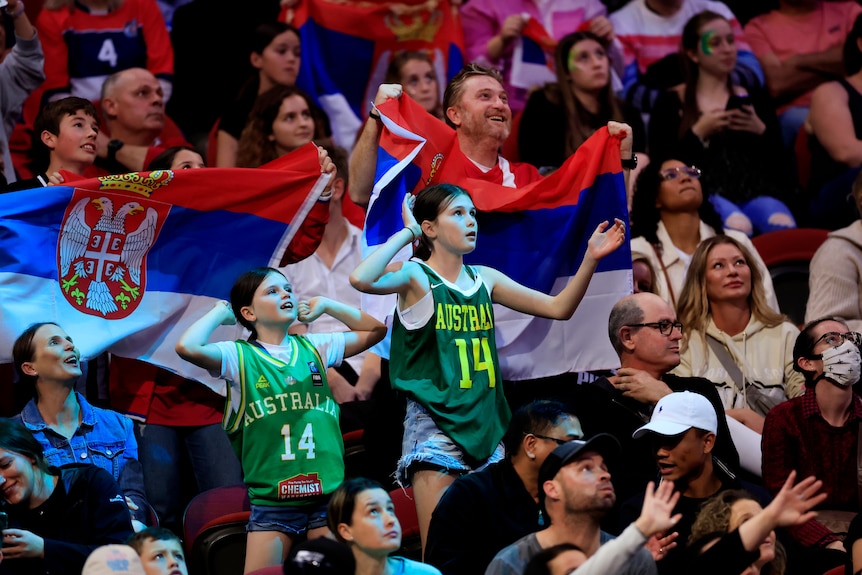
71,430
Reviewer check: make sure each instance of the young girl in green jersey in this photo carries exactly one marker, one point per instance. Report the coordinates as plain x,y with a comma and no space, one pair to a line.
444,355
279,413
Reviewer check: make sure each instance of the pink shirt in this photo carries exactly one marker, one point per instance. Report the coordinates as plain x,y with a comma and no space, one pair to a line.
483,19
785,35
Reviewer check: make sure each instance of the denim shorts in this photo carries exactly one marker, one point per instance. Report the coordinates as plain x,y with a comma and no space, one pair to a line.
294,520
424,444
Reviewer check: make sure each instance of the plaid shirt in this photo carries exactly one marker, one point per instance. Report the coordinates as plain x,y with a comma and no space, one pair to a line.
795,436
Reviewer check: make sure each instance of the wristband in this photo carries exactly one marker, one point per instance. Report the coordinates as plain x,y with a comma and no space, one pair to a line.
114,147
631,163
412,234
374,114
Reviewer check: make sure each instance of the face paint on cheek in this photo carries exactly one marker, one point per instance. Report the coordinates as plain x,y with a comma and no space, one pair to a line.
574,54
705,40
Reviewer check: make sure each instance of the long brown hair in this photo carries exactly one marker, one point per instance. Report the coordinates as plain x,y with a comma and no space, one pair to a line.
689,43
693,308
561,92
255,146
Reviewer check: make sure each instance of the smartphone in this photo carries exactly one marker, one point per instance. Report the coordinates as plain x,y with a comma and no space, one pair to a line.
736,102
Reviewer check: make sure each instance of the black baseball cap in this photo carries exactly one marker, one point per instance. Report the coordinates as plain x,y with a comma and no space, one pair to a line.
603,443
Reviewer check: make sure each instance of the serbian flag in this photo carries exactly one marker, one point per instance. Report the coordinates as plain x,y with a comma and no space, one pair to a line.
351,44
536,234
126,263
533,56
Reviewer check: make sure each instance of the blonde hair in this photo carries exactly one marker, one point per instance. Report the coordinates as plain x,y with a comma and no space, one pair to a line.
714,517
693,308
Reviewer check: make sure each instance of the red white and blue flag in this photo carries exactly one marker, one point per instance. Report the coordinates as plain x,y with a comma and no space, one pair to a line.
533,56
347,47
536,234
126,263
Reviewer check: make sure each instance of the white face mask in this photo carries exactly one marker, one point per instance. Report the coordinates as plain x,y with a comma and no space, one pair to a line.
842,365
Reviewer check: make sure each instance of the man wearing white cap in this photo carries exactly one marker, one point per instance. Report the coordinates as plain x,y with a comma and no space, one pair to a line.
682,433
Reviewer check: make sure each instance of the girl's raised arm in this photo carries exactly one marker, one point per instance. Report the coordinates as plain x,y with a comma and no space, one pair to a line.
364,332
508,292
375,274
192,345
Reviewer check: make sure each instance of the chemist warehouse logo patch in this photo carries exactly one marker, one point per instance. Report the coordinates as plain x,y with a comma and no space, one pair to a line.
300,486
316,378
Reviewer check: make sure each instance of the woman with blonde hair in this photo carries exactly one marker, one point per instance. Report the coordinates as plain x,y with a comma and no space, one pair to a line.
732,337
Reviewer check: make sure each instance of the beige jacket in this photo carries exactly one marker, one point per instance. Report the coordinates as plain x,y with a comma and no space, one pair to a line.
676,267
764,356
835,281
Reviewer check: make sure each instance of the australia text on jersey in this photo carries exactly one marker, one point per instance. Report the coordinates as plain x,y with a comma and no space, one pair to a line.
292,401
464,317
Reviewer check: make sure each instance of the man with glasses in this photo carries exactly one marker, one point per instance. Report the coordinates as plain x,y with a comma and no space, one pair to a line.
818,432
485,511
646,335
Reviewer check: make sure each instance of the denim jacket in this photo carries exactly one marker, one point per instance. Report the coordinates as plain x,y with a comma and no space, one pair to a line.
104,438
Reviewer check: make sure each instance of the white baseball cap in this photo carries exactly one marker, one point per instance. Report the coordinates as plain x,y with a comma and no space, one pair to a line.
678,412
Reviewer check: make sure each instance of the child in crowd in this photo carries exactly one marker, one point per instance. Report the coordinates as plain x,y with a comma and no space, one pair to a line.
443,333
64,138
279,412
160,550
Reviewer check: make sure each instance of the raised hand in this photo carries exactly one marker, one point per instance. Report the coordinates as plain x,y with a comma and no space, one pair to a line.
604,242
656,513
408,217
308,311
793,505
227,319
327,166
512,27
619,128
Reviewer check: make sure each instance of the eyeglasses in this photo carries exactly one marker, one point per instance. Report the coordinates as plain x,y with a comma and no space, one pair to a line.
556,440
664,327
834,339
678,172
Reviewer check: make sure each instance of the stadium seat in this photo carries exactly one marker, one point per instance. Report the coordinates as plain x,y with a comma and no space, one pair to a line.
211,505
219,548
787,254
405,510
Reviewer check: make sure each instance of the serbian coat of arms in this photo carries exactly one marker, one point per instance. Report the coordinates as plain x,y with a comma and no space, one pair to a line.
102,251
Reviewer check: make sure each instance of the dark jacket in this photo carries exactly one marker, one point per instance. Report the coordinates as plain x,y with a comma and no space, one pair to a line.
85,511
479,515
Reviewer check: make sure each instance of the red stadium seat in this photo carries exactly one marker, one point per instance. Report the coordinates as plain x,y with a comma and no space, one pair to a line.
787,254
